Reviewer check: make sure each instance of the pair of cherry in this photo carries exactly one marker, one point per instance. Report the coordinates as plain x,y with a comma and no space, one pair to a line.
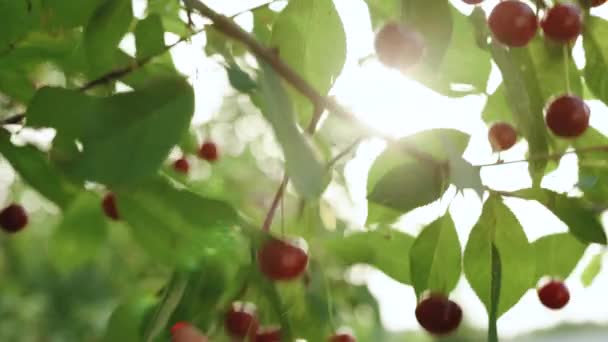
208,151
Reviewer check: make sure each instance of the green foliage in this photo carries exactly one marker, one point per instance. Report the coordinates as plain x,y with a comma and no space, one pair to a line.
386,249
435,258
557,255
103,32
301,161
177,226
80,234
398,182
310,37
498,228
580,219
155,116
191,239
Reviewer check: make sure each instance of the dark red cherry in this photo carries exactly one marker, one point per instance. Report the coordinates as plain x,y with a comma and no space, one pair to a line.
595,3
502,136
13,218
513,23
567,116
241,321
343,337
268,334
438,315
398,46
208,152
109,206
563,22
472,2
178,326
281,260
554,295
181,165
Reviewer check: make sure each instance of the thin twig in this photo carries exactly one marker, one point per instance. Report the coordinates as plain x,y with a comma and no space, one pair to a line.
554,156
275,204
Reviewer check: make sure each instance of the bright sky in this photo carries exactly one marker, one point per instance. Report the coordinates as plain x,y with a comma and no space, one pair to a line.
401,107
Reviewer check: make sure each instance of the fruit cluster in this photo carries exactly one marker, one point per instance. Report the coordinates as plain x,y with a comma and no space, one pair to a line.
207,151
241,323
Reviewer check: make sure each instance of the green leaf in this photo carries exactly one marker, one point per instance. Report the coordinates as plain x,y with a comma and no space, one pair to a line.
435,258
582,221
495,286
592,270
498,227
596,56
307,173
81,233
525,99
176,226
263,20
169,11
384,248
124,137
149,37
36,170
68,14
593,166
463,175
104,31
311,39
127,319
398,182
17,20
497,108
433,19
239,79
464,69
557,255
382,11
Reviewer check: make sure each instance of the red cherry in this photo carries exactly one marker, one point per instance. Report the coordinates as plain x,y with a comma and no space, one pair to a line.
241,321
398,46
109,206
439,315
595,3
268,334
513,23
178,326
567,116
342,338
472,2
281,261
502,136
181,165
554,295
13,218
208,151
563,22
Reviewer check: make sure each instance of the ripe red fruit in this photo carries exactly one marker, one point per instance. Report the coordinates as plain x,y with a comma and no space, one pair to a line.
513,23
282,261
179,325
398,46
344,337
438,315
595,3
181,165
563,22
208,151
241,321
109,206
502,136
272,334
472,2
13,218
185,332
567,116
554,295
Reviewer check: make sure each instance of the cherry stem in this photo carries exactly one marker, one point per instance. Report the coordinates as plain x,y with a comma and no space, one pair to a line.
275,204
566,50
554,156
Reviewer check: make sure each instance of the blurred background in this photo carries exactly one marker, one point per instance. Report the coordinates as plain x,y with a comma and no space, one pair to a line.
44,298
